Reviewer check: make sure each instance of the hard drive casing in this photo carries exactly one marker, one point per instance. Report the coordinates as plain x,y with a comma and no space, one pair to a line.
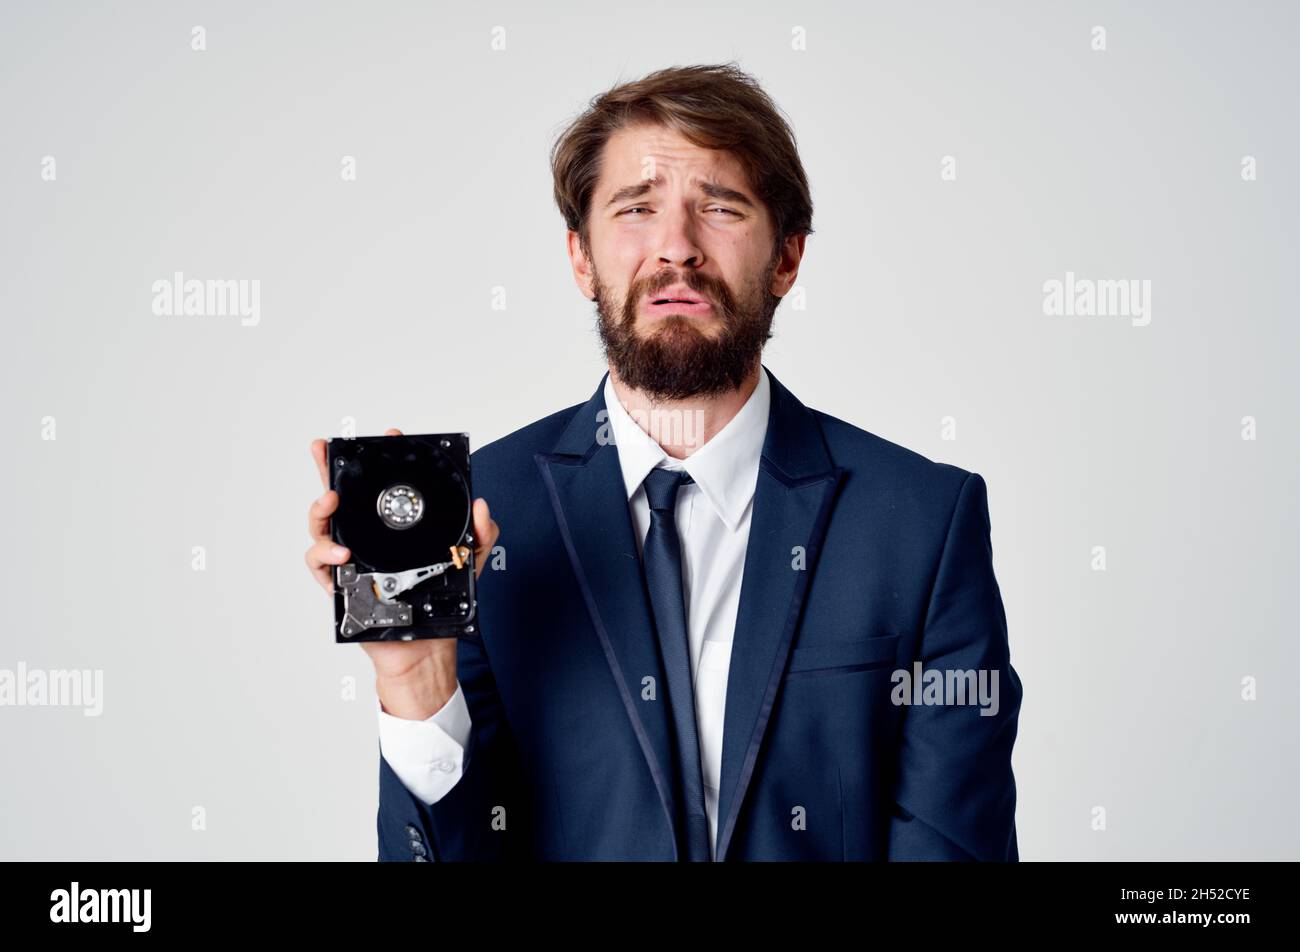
405,512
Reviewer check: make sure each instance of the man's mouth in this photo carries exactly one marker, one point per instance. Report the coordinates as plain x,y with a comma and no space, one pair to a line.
677,301
671,306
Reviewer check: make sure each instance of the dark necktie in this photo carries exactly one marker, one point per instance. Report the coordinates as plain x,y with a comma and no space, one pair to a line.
663,569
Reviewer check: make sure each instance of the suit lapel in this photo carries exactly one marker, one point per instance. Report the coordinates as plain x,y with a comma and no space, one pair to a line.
585,484
792,501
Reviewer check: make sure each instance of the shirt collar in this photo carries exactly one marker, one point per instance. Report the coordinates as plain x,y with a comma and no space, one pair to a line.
725,468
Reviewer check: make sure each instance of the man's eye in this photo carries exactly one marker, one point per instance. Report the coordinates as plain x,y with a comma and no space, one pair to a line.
643,208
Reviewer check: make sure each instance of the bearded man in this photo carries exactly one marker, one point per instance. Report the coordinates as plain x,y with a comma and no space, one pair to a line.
709,591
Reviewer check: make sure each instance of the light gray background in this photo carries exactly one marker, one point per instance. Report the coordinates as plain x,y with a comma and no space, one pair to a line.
924,300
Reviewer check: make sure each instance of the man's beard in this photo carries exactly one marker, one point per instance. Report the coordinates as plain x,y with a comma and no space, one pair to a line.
678,359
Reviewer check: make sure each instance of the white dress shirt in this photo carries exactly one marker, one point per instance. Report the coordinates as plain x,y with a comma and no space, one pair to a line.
713,517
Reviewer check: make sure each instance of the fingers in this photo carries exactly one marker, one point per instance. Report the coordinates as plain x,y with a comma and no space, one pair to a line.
485,527
318,515
321,557
318,454
324,554
486,533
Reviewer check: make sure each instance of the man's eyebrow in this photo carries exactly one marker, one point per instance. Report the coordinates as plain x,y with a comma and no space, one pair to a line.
717,190
711,189
630,191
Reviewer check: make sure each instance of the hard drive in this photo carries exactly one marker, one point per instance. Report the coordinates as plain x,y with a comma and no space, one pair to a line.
406,513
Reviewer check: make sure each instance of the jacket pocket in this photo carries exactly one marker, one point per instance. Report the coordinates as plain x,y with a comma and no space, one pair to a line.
842,657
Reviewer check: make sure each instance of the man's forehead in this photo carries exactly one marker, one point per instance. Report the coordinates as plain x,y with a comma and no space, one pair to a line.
639,150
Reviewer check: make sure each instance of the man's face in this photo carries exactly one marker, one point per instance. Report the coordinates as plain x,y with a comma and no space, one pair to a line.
688,280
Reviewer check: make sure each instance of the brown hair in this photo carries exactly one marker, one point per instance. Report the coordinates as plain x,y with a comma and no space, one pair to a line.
715,107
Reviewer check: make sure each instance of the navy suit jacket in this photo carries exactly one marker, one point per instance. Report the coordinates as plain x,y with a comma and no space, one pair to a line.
863,558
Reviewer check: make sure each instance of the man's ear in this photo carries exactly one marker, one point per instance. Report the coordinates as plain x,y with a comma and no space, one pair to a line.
582,272
787,268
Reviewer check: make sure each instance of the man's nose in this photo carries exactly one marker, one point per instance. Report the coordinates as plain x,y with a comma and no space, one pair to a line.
677,241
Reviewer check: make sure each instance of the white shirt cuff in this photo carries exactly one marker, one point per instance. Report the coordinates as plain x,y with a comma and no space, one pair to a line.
427,756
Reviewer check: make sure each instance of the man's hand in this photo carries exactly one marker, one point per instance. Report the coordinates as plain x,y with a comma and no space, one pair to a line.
413,679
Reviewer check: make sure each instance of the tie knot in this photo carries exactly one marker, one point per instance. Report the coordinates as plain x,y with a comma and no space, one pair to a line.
661,487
